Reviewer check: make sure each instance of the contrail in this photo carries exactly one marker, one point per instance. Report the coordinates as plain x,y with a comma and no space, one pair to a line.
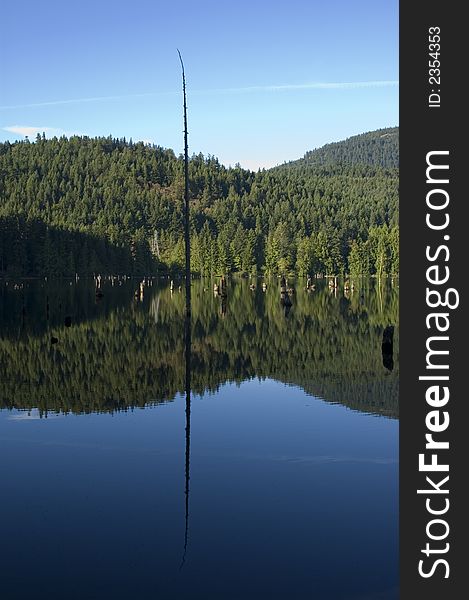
339,85
83,100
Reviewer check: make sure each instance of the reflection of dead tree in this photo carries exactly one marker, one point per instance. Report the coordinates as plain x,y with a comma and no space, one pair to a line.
187,326
222,286
155,308
220,290
285,294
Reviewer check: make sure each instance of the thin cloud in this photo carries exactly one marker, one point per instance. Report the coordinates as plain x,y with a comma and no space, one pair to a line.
26,130
84,100
32,131
32,415
338,85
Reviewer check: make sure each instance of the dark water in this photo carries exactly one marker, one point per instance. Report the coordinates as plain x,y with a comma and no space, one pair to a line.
292,466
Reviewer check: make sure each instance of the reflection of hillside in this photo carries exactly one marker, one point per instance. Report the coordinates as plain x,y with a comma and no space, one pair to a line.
64,297
134,354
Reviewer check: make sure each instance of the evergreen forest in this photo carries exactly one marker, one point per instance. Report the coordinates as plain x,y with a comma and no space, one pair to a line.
83,205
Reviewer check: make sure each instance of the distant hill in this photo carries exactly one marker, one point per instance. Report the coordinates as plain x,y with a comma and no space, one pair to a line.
378,148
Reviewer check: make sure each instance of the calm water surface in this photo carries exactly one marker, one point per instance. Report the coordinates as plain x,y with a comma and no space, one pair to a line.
290,462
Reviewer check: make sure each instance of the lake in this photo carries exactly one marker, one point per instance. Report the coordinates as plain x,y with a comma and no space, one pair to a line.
275,475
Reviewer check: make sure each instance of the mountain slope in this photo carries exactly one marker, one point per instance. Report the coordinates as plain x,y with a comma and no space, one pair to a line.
378,148
86,206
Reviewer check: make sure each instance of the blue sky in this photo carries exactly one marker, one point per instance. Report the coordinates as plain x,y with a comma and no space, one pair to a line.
266,81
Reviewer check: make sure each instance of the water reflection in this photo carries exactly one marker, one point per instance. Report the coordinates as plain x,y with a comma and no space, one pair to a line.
266,490
387,347
187,338
61,350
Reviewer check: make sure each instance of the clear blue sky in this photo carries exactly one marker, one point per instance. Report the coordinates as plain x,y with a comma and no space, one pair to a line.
267,80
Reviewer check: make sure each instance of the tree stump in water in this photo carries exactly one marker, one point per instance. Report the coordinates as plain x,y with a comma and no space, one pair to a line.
387,347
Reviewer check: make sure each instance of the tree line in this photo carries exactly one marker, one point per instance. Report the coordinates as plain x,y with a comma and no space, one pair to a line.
86,205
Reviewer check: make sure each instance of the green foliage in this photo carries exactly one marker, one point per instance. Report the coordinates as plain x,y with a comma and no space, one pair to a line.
124,351
84,205
378,148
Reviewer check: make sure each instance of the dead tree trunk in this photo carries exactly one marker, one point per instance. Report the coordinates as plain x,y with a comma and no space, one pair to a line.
186,197
187,321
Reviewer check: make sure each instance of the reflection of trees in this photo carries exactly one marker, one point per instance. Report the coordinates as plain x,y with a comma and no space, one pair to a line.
132,354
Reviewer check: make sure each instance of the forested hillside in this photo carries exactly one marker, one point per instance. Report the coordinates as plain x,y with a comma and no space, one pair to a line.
378,148
84,205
